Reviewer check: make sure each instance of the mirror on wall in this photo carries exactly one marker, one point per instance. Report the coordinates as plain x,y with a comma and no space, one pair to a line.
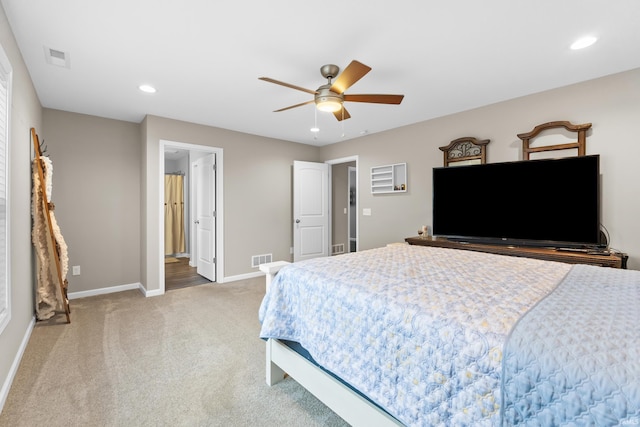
465,151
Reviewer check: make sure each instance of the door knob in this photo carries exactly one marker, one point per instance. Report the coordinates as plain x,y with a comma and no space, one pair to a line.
297,221
197,221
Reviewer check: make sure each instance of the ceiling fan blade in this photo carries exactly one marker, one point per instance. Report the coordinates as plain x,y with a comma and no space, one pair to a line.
270,80
294,106
376,99
354,72
340,116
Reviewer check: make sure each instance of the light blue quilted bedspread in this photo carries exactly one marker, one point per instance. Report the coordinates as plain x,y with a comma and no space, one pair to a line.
419,330
574,359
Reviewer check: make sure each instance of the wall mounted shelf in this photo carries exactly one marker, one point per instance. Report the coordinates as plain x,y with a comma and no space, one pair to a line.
389,179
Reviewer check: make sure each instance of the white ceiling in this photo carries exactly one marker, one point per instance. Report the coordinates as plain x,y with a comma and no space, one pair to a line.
205,57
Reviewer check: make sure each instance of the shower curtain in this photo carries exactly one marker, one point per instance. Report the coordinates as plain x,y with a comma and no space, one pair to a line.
173,215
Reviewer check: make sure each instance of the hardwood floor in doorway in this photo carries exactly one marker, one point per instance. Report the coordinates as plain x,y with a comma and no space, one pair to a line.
178,275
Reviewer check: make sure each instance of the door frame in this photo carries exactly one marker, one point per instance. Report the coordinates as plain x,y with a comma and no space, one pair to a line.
338,161
219,243
352,210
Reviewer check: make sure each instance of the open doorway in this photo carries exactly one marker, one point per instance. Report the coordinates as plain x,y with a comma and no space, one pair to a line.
318,232
198,260
344,200
352,209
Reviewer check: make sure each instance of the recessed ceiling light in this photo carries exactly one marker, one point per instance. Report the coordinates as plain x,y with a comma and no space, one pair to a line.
584,42
314,129
147,88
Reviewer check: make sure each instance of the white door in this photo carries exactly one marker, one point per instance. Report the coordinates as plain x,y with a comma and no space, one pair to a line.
310,210
205,222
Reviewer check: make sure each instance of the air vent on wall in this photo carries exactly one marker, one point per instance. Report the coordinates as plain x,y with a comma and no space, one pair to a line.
57,57
256,260
337,249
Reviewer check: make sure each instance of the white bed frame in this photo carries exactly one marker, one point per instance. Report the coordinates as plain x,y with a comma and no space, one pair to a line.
345,402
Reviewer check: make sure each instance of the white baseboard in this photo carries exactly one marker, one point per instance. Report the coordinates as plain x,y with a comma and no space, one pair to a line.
146,293
153,293
4,392
109,290
243,276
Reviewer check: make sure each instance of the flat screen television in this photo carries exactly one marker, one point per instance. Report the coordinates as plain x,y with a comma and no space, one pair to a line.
547,202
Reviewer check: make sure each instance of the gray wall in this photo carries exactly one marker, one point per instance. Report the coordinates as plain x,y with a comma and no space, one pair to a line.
98,185
257,192
26,113
96,190
611,104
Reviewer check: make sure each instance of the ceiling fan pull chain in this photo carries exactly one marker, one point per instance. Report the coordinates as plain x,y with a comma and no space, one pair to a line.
315,124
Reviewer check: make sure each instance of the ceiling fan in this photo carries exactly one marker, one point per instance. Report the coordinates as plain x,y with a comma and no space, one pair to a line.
331,97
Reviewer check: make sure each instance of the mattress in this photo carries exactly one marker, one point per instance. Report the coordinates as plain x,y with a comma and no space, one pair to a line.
575,357
420,331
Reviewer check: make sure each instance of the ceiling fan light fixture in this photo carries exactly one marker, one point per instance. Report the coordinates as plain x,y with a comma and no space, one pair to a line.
327,100
329,105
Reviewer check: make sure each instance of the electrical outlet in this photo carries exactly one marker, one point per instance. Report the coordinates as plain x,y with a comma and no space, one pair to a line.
76,270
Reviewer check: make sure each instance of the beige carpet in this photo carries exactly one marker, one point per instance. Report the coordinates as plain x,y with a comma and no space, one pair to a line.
189,358
170,260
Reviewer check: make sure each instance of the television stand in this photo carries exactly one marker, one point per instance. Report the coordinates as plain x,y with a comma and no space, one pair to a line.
604,259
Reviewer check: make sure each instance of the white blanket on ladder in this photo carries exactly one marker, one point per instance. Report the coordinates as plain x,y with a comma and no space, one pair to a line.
49,297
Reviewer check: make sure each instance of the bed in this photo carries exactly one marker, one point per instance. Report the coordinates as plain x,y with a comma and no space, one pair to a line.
427,336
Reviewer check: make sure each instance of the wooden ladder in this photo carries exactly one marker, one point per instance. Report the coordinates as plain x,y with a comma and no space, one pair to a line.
48,207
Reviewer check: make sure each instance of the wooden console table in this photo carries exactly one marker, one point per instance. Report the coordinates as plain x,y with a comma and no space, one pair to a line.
614,260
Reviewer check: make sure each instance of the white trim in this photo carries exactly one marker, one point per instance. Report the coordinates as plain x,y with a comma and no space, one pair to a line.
108,290
347,159
4,392
243,276
155,293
